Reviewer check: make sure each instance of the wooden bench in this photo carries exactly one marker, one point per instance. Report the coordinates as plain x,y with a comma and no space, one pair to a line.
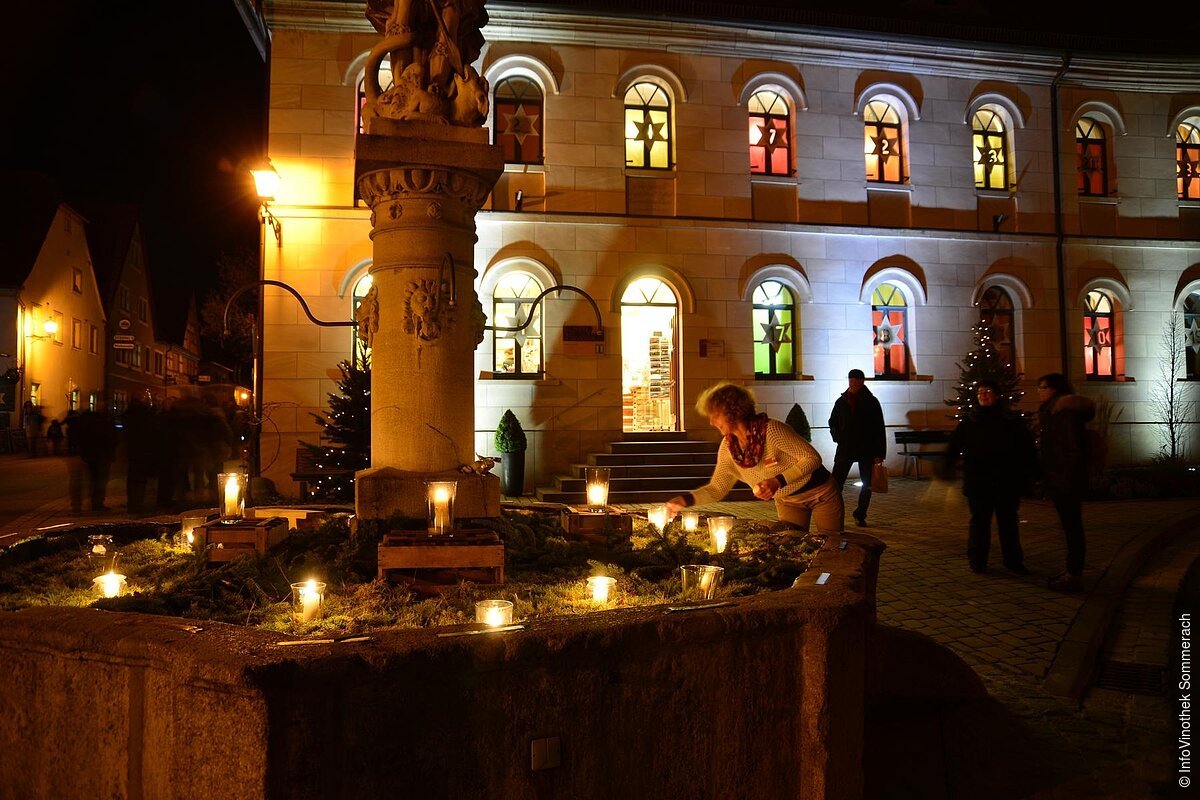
918,445
307,471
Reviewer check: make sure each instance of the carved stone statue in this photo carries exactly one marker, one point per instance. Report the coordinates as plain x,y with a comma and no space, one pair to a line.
367,317
431,44
423,310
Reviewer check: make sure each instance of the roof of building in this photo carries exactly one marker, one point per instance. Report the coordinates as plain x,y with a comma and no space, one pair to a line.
171,308
27,208
110,232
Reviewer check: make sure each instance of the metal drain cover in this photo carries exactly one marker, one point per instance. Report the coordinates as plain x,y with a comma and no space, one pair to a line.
1131,678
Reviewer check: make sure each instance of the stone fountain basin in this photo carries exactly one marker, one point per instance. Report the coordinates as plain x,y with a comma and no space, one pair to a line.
762,698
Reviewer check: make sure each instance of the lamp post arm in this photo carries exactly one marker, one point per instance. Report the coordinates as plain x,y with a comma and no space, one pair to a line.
533,307
303,305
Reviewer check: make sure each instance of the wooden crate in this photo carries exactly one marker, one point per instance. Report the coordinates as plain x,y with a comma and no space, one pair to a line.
431,562
226,541
301,519
611,527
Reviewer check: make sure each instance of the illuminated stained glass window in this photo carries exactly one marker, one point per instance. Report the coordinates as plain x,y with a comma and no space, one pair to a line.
362,353
385,83
1187,160
518,120
991,150
517,353
1091,156
770,137
996,312
1098,335
647,127
1191,336
889,320
774,331
884,139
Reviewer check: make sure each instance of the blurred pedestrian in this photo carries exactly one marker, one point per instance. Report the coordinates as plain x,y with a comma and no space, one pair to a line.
999,462
1062,452
856,424
140,452
769,457
97,447
54,435
33,419
68,429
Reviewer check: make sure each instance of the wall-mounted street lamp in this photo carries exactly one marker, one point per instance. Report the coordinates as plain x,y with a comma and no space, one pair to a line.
51,329
266,184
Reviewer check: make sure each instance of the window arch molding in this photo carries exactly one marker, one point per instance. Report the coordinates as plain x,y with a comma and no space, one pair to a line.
892,93
352,276
912,286
494,272
652,73
775,82
1015,287
1182,294
1012,116
674,279
1098,109
1116,288
1183,116
790,277
354,71
524,66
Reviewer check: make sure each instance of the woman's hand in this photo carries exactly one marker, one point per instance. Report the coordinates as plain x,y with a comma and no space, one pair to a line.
673,505
765,490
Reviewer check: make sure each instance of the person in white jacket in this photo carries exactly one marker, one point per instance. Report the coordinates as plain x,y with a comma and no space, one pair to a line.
769,457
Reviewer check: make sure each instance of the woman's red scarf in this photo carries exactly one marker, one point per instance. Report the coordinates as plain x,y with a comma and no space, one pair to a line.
756,439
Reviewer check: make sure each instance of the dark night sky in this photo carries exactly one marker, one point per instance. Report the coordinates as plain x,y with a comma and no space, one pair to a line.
117,101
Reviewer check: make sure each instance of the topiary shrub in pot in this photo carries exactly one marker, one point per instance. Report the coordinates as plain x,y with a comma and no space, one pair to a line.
510,443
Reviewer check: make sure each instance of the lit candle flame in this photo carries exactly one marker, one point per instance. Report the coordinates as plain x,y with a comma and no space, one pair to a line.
601,586
110,583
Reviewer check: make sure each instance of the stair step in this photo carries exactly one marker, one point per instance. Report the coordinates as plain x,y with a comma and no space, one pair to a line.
654,436
651,459
672,446
619,498
682,470
673,483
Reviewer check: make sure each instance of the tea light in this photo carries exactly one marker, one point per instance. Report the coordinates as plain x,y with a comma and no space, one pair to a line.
187,527
440,501
597,488
306,600
691,520
718,531
601,587
657,517
701,580
233,495
110,583
102,554
494,613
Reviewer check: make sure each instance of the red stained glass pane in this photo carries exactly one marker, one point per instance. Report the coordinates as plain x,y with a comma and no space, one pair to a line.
519,131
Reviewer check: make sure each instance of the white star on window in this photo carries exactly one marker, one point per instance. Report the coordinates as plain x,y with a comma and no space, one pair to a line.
887,335
1191,335
775,333
520,124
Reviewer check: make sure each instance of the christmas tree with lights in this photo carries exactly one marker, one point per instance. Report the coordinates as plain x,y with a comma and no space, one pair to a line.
984,362
345,435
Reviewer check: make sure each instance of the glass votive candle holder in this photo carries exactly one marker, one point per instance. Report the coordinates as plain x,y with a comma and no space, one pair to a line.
719,529
494,613
657,517
439,497
596,480
691,520
188,523
700,580
600,587
307,598
110,583
102,554
233,495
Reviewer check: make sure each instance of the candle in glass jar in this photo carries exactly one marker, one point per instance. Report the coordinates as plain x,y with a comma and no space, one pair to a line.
691,520
441,508
308,600
657,517
601,587
597,495
494,613
110,583
719,529
232,506
597,488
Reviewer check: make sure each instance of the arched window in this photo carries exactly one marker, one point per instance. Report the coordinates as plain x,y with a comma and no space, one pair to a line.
996,312
774,331
884,142
649,386
770,134
517,353
385,83
889,320
1099,331
1187,159
1191,335
362,353
1091,155
647,127
991,149
519,113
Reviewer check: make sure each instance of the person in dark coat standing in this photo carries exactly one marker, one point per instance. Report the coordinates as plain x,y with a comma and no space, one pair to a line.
999,462
1062,453
856,424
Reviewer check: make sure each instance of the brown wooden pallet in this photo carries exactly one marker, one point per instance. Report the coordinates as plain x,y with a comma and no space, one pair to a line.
435,562
225,541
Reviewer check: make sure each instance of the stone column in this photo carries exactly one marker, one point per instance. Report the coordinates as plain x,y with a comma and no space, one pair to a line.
424,183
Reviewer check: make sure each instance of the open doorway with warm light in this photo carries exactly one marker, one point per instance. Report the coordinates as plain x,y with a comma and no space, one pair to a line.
649,361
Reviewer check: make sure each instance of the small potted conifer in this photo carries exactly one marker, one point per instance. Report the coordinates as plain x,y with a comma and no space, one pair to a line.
510,444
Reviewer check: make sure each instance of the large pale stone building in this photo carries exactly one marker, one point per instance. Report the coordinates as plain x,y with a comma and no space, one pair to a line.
769,204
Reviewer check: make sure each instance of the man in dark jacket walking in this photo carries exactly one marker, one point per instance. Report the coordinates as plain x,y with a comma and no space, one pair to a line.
1062,451
999,462
856,424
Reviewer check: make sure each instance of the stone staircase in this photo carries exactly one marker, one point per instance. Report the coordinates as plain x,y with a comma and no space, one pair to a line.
646,468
